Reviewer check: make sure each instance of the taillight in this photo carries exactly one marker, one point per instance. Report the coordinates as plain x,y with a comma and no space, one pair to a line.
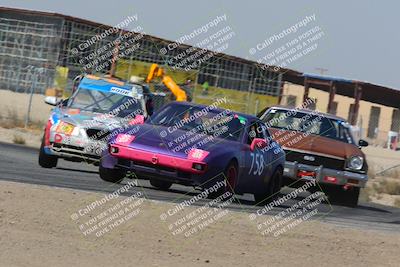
330,179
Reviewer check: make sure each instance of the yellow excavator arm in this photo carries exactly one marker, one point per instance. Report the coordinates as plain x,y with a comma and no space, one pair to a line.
156,71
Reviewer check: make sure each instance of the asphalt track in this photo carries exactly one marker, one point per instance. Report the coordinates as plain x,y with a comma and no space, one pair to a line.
19,164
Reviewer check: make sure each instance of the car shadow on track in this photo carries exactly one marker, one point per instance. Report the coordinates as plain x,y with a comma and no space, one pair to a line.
76,170
187,194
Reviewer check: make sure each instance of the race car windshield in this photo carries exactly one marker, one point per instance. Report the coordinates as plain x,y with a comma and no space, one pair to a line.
309,123
105,102
221,124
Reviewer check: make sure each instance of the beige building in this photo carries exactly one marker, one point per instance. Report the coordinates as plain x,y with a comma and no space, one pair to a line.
374,120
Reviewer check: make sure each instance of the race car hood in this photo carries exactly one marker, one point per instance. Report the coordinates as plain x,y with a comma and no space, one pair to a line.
86,119
314,144
177,143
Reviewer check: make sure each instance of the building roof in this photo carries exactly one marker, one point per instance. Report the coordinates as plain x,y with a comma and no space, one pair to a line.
374,93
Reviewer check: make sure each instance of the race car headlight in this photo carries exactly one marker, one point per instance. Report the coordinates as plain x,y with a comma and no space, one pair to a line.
199,166
355,163
75,131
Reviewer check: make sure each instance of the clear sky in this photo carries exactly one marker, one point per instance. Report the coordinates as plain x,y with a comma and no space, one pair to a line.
361,37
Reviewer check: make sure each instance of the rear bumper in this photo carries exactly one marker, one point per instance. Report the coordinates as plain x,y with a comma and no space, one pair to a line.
343,178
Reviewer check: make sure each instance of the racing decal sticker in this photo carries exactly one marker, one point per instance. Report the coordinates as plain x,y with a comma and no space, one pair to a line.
65,128
73,111
241,119
197,154
54,118
57,138
124,139
120,91
257,163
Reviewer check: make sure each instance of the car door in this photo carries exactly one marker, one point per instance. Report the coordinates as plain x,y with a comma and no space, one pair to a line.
256,161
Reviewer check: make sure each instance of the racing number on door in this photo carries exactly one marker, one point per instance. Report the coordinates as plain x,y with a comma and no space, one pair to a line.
257,163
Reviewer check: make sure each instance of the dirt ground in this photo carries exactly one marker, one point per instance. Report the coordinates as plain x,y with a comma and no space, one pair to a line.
36,228
380,158
15,105
32,138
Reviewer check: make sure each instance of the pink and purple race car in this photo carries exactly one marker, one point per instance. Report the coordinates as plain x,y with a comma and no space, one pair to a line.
198,146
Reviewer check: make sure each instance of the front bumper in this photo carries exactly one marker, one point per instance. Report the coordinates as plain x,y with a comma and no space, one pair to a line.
76,148
72,152
147,164
343,178
148,171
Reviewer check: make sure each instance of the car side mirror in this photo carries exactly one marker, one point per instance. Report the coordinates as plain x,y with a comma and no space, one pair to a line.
258,143
51,100
362,143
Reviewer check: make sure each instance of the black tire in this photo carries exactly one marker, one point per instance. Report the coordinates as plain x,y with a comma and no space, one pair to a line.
339,196
231,181
163,185
111,175
45,160
271,189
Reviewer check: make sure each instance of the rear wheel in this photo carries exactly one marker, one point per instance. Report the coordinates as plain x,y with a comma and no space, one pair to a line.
163,185
270,189
111,175
45,160
339,196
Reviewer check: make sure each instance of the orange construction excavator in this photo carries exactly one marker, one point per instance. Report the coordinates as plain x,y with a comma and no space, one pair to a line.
156,71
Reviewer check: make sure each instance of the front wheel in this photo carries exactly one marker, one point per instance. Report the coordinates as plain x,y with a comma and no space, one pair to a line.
271,189
45,160
111,175
230,178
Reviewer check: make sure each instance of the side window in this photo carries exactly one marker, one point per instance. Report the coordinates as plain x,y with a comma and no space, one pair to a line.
266,134
256,130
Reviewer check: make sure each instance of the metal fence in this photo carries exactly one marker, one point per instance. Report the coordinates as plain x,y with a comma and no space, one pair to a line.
48,42
25,45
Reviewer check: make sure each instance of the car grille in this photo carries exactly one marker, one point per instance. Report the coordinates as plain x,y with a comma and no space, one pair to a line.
97,134
327,162
58,145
